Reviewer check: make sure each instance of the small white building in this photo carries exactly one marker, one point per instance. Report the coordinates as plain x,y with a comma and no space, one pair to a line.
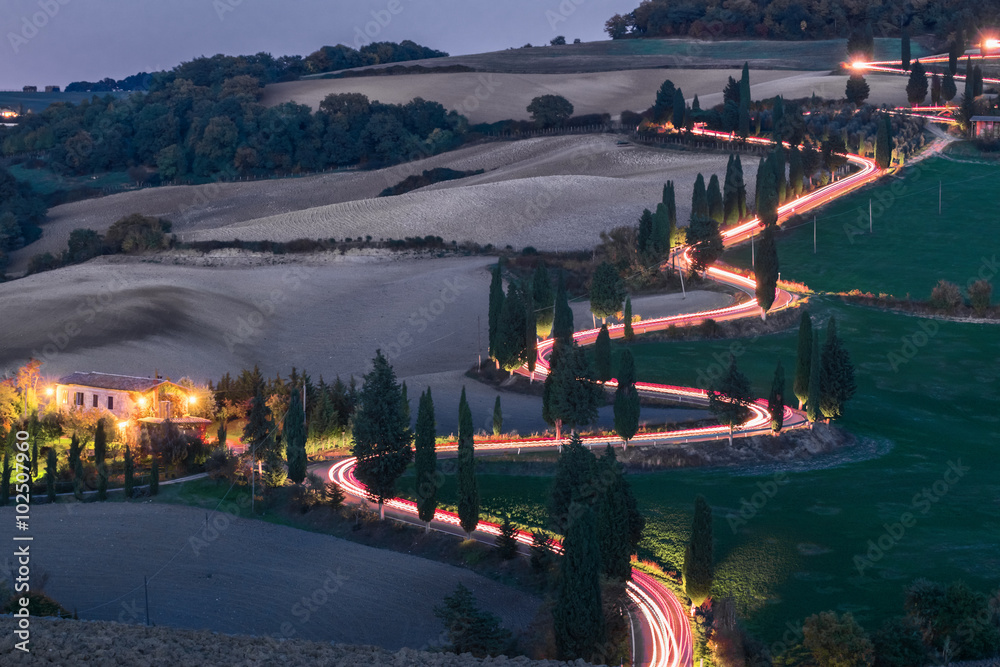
124,396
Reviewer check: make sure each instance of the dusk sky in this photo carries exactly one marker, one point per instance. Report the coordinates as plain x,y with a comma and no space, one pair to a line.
80,40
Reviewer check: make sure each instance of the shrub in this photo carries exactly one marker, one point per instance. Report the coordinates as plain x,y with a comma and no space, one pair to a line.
709,329
137,233
946,296
221,464
43,262
980,294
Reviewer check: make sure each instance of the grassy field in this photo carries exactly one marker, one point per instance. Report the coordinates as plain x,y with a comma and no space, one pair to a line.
911,248
38,101
46,182
796,555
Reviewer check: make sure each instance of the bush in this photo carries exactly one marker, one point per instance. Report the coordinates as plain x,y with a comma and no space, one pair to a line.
631,119
471,630
43,262
221,464
980,294
709,329
946,296
138,233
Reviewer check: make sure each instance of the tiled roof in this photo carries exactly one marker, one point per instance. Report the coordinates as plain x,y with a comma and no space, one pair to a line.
115,382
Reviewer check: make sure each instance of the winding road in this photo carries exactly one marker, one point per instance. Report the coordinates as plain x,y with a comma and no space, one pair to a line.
664,635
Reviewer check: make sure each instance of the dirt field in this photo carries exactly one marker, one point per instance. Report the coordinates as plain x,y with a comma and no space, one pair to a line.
551,192
328,316
490,97
70,643
245,577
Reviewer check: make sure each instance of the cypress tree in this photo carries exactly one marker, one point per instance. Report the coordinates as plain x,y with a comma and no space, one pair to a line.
813,411
776,400
741,188
51,469
795,171
744,118
803,360
100,453
778,119
883,149
541,551
730,208
575,396
948,87
607,291
767,193
76,467
695,104
664,104
221,433
496,305
857,90
562,322
660,237
645,231
425,463
530,326
626,399
294,434
716,209
613,519
956,51
699,558
578,616
129,473
670,202
574,479
916,86
679,109
977,81
506,542
766,270
970,79
154,476
904,48
837,384
381,438
935,89
258,433
544,299
497,418
602,355
468,485
629,334
729,397
404,404
699,199
509,347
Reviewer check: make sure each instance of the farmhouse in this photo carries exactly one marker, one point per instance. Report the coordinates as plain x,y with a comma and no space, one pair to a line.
124,396
985,126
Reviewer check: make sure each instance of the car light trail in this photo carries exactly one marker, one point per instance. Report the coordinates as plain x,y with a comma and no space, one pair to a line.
665,628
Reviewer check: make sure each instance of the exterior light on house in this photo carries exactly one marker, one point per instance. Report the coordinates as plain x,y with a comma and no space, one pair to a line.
142,401
122,425
49,391
192,399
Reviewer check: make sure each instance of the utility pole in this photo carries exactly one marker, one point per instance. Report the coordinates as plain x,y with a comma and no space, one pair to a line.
680,272
814,234
753,254
145,588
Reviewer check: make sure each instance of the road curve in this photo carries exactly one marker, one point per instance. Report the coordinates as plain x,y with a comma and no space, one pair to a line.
666,639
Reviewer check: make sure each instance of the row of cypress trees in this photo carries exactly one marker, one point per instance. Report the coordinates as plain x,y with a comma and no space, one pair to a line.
824,377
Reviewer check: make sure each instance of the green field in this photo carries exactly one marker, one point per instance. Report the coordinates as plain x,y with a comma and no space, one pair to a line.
796,556
911,248
36,102
46,182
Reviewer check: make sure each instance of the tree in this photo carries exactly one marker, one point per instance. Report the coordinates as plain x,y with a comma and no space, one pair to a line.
626,400
837,384
776,399
796,171
731,192
706,237
946,614
578,616
550,110
813,411
744,110
506,542
559,40
562,321
730,397
607,291
221,433
948,87
664,105
573,485
469,629
497,418
898,644
154,476
496,305
575,396
766,270
258,433
100,453
837,641
293,432
129,484
425,464
699,558
602,355
916,86
510,346
904,49
541,552
977,81
699,199
629,334
980,295
857,89
678,114
670,204
468,485
955,51
404,404
76,467
778,119
616,26
544,298
716,208
51,469
662,229
643,238
883,144
619,523
767,192
5,478
381,439
935,89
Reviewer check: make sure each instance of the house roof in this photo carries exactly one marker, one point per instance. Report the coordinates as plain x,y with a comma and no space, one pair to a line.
116,382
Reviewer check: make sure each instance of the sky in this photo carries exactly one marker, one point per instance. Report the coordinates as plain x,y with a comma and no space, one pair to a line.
54,42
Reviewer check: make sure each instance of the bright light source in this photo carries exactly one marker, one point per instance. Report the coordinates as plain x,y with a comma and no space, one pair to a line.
192,399
991,44
142,401
122,425
858,64
50,391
